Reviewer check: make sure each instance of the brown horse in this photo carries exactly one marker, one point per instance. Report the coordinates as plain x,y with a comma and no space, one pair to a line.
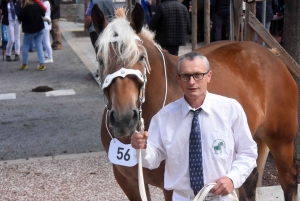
245,71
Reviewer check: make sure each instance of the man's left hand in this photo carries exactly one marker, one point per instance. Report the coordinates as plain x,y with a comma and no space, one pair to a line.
223,187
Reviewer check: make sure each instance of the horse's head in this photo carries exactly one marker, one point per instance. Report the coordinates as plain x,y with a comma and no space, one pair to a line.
123,65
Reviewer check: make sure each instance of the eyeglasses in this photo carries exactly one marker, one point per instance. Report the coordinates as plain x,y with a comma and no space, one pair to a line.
196,76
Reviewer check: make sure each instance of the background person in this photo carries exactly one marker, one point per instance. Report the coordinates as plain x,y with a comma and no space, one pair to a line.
32,24
202,134
55,31
221,10
271,6
171,23
46,34
106,6
11,9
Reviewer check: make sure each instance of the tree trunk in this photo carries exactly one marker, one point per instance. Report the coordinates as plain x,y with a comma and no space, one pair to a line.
291,43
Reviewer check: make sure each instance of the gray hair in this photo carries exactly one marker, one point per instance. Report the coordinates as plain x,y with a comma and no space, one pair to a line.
191,56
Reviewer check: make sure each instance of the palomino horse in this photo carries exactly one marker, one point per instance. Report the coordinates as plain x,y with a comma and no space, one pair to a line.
245,71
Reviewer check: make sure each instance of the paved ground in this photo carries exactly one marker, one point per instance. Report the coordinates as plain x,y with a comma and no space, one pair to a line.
76,176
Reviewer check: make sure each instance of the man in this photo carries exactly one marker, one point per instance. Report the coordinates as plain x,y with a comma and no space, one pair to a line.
171,23
220,127
221,10
106,6
55,32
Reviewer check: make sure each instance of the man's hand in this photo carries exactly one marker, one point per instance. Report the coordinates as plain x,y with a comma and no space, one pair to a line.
223,187
139,141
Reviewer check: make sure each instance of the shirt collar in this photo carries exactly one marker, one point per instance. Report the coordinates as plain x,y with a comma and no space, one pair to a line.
206,106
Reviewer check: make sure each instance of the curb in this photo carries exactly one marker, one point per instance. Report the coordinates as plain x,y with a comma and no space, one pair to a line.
51,158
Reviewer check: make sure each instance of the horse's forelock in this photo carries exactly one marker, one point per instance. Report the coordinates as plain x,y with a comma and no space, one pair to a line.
126,49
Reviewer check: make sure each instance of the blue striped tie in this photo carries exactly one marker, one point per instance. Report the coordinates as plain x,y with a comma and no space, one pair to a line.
195,155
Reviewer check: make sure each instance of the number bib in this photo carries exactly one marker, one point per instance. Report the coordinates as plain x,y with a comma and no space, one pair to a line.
121,154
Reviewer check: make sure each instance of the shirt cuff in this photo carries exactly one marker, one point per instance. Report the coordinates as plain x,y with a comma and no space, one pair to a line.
236,178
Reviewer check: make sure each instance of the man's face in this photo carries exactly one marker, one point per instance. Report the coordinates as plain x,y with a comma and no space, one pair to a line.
194,90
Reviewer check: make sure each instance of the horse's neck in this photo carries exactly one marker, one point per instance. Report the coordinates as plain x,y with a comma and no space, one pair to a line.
156,85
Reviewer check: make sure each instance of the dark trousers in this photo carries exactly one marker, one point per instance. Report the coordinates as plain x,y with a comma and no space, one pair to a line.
94,37
219,21
55,33
172,49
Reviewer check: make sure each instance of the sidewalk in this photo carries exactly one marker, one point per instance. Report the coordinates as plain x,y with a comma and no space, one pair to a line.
77,176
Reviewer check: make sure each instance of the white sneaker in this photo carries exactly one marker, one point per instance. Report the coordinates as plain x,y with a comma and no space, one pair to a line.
48,60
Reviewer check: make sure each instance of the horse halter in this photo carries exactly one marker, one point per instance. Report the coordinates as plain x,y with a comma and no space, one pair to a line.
123,72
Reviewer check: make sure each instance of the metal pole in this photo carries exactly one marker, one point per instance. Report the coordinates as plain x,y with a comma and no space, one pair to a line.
231,36
207,22
129,8
264,7
194,24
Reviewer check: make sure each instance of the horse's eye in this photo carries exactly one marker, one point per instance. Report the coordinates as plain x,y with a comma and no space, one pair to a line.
142,57
100,62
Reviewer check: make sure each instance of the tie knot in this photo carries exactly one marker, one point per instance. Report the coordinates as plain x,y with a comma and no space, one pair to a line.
196,112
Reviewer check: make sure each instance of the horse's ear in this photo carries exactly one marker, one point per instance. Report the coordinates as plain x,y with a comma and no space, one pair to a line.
98,19
137,18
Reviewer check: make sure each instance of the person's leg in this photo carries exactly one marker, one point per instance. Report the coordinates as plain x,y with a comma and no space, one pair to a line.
25,48
219,24
268,25
94,37
56,37
11,38
17,40
227,26
47,44
39,47
32,46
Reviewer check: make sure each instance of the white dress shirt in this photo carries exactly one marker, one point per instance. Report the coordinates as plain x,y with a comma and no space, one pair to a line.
228,148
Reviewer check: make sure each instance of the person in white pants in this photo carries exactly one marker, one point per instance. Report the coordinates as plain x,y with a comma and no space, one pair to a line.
46,33
13,30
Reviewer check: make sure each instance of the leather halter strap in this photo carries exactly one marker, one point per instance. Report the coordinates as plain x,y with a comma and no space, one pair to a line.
123,72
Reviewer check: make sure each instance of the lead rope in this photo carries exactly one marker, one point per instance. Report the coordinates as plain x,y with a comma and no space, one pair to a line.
142,128
165,71
205,190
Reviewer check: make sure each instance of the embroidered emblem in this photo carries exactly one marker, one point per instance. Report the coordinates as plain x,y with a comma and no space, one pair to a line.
219,146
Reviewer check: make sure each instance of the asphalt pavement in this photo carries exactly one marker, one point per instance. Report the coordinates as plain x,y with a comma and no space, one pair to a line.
50,146
37,124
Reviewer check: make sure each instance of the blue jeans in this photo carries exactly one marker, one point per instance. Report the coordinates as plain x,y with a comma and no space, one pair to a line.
37,37
32,46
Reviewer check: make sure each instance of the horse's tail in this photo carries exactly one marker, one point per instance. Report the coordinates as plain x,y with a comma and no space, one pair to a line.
275,51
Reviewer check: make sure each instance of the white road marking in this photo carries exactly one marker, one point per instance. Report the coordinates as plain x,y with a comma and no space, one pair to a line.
7,96
65,92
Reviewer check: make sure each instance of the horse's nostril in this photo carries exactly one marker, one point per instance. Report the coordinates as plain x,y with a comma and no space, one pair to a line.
134,119
112,119
135,115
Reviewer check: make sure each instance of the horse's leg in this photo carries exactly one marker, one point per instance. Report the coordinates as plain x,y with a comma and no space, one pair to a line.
263,152
131,189
247,191
288,171
168,195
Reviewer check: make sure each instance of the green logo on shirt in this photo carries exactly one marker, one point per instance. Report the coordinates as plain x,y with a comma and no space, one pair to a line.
219,146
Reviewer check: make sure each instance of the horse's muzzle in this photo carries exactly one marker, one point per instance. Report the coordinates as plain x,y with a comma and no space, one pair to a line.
124,124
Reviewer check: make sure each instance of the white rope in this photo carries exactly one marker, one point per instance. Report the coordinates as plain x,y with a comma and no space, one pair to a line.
140,168
106,124
201,196
165,74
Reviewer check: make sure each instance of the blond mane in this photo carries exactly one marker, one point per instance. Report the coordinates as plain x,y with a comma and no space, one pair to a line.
126,48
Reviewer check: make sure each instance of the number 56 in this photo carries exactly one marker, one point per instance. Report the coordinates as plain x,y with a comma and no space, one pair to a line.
120,154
